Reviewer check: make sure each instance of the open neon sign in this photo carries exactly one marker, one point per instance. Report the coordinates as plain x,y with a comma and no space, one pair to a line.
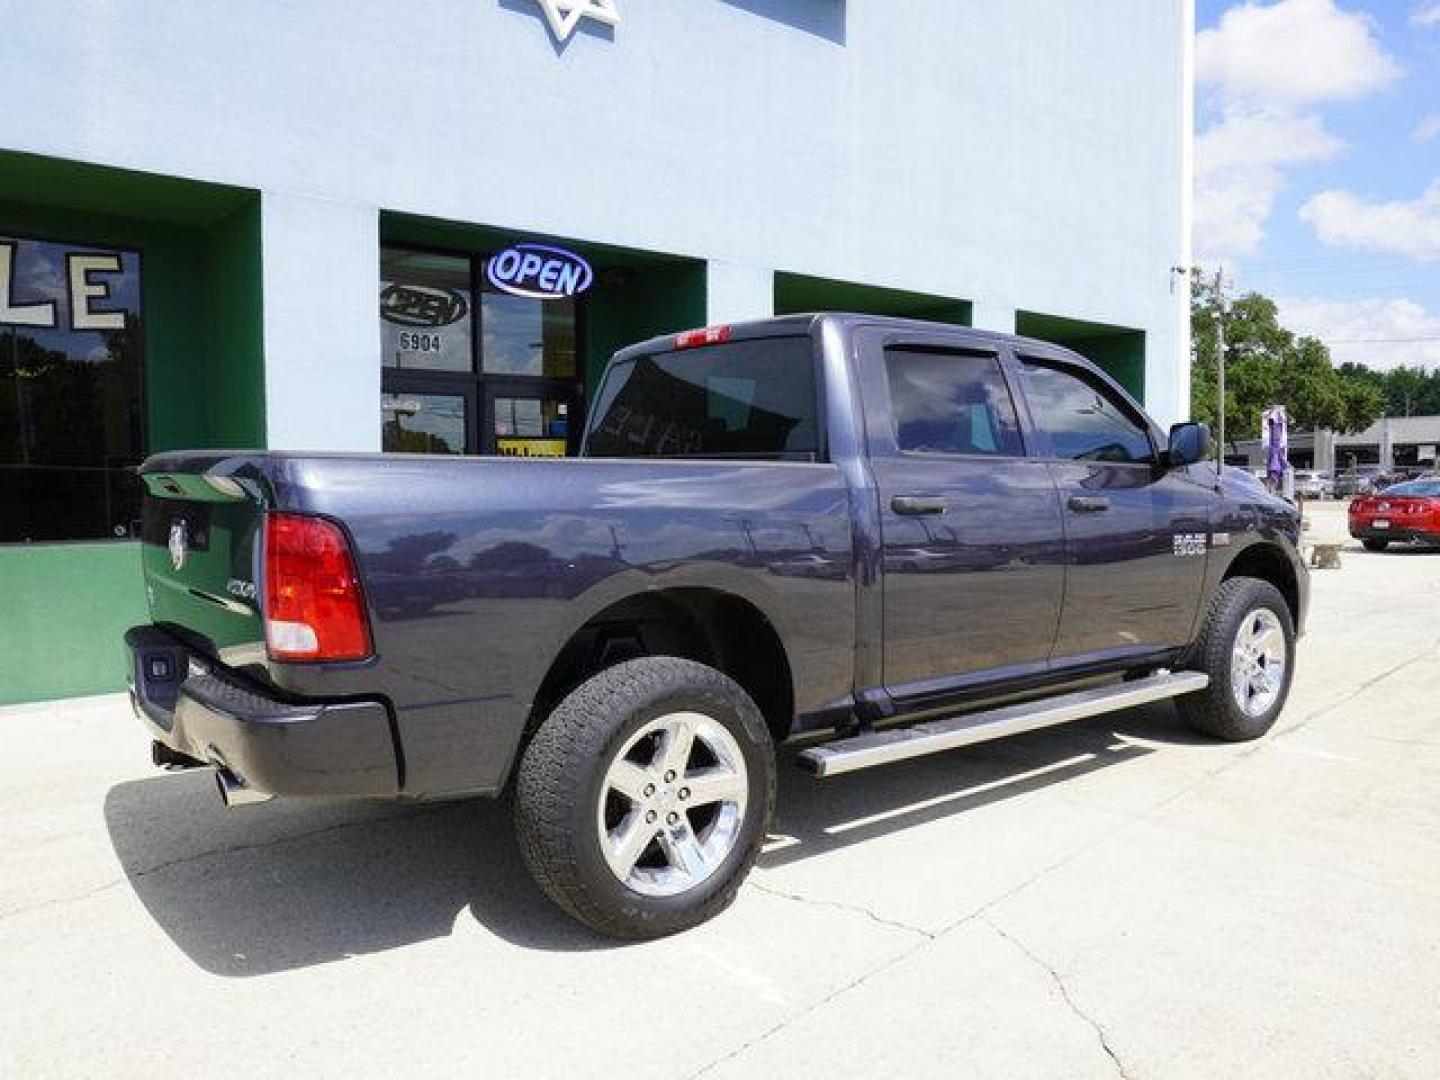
539,272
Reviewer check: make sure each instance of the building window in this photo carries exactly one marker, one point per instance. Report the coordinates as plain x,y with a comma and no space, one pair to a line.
523,336
425,317
72,402
468,369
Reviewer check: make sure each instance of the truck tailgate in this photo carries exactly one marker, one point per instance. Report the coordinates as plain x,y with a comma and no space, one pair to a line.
202,535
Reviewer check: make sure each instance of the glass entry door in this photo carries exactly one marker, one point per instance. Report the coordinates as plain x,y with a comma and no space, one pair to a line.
530,418
470,370
427,416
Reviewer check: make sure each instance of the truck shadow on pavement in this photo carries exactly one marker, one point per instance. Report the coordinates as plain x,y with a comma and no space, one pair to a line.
291,884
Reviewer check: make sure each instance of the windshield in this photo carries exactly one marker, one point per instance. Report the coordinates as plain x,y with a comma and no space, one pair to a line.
740,399
1421,488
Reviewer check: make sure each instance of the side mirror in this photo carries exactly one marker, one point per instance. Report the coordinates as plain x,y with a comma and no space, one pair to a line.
1189,443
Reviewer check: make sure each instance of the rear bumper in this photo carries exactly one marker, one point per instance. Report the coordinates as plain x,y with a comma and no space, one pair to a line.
202,710
1398,534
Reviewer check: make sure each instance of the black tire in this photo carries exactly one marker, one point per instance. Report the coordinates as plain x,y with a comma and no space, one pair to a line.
559,784
1216,711
1375,545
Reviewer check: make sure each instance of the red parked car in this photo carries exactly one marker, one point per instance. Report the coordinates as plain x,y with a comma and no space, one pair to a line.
1408,511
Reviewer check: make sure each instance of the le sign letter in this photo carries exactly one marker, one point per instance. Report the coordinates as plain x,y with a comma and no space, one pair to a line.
84,290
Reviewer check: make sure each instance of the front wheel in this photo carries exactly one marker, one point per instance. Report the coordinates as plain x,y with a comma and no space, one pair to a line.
1375,545
643,799
1247,647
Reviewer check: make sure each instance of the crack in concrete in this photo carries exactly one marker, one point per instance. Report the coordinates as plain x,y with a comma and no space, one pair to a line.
982,912
1070,1002
840,905
1345,699
814,1006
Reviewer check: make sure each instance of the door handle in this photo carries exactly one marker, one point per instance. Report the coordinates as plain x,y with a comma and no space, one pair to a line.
1088,504
915,505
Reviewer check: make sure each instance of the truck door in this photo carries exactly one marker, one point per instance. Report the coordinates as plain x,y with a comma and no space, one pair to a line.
1136,535
971,531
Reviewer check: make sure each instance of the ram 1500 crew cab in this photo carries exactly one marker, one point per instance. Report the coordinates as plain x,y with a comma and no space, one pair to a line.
907,537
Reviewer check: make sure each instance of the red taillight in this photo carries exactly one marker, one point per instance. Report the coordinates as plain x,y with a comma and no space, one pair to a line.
710,335
313,607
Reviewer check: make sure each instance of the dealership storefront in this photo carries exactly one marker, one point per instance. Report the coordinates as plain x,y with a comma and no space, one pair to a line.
284,247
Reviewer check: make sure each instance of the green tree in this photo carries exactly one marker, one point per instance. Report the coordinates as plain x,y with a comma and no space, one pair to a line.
1266,364
1406,390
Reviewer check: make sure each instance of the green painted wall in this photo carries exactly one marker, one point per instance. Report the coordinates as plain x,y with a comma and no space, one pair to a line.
236,349
63,607
1122,356
633,304
1117,350
796,294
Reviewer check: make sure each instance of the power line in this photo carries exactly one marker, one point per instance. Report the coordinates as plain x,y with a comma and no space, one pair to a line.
1375,341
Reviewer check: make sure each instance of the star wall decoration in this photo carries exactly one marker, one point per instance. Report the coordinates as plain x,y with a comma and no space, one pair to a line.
565,15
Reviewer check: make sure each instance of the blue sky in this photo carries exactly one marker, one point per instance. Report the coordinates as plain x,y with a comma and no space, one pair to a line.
1318,166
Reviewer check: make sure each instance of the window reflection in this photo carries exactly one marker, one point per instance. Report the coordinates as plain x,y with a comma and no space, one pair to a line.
423,423
523,336
71,399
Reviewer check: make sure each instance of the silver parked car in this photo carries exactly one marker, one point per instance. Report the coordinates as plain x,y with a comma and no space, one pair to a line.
1357,481
1314,484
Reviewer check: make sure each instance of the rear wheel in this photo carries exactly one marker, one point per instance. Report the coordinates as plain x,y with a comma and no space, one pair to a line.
1247,647
643,799
1375,545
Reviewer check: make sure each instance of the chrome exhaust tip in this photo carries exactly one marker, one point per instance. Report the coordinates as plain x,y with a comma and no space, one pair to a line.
234,792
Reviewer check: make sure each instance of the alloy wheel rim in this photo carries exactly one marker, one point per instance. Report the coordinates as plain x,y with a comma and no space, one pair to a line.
672,803
1257,662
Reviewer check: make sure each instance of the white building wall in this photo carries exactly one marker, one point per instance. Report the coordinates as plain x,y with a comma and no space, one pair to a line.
319,265
735,293
1030,154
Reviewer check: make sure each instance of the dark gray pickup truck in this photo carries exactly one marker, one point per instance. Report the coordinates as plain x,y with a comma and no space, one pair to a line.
906,537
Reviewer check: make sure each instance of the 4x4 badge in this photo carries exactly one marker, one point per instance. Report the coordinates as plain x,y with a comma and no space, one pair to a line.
179,538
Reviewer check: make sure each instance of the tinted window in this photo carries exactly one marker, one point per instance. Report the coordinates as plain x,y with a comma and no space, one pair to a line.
1421,488
742,399
1082,417
71,401
951,403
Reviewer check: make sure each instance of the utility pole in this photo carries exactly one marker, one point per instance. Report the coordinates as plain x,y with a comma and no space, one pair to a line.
1220,365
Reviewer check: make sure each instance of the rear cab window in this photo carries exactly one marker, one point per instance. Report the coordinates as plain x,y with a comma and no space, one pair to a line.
753,399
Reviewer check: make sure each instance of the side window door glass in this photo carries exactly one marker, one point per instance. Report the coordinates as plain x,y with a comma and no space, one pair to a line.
951,403
1082,417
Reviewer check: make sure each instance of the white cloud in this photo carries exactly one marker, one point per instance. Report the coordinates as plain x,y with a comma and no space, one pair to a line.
1399,227
1242,162
1426,14
1428,128
1265,68
1378,333
1294,53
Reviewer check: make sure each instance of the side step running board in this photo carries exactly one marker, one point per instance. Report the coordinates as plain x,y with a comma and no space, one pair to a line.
934,736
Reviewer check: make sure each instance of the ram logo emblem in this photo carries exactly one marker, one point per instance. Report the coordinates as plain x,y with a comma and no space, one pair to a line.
179,541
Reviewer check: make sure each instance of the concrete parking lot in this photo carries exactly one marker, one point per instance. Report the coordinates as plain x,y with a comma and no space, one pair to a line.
1117,898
